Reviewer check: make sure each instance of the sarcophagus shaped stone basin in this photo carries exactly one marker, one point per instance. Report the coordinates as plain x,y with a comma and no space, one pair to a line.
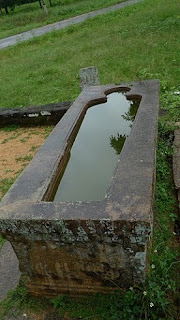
80,216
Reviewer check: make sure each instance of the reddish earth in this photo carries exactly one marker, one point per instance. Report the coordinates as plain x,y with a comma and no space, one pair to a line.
17,148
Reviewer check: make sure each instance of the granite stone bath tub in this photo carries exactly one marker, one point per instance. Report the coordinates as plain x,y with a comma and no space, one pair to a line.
75,247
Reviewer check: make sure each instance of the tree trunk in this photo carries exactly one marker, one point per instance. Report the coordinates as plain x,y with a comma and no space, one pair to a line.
50,3
44,6
1,13
6,9
40,4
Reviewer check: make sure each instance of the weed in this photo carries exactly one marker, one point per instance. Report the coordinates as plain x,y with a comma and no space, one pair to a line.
7,140
24,159
33,148
14,136
2,241
8,170
18,299
5,184
23,140
10,128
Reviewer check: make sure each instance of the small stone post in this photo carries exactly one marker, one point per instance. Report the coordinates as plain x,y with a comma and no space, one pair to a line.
89,77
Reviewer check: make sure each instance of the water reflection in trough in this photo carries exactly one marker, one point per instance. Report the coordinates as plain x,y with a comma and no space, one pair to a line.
94,154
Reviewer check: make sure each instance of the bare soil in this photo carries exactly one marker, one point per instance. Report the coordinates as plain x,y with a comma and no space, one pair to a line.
17,148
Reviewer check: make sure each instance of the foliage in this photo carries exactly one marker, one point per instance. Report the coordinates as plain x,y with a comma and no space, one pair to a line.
2,241
131,114
5,184
117,142
171,103
18,300
5,4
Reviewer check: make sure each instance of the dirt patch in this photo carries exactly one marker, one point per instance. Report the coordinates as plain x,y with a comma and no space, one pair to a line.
17,148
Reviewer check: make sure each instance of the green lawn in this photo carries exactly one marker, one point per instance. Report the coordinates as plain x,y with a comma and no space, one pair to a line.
139,42
30,16
135,43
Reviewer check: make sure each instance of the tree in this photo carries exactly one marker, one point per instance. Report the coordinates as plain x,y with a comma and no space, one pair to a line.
117,142
5,4
44,6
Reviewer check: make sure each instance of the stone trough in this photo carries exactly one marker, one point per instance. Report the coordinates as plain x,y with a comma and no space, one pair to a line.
78,247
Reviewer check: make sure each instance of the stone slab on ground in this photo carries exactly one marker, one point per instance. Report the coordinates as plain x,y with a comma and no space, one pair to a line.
48,316
19,318
6,42
9,269
53,316
34,115
176,161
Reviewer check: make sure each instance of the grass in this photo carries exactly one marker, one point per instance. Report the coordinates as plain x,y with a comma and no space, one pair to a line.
26,158
2,241
30,16
19,299
136,43
5,184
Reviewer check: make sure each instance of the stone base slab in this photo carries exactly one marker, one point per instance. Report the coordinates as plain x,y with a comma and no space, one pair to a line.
34,115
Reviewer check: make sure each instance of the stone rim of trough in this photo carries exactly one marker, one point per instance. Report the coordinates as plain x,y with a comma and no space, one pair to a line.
130,195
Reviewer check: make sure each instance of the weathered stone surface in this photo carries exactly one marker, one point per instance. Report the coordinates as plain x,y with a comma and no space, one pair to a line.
89,77
47,316
20,317
9,270
53,316
79,247
34,115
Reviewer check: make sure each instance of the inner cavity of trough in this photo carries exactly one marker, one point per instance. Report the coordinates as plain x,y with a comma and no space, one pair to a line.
96,149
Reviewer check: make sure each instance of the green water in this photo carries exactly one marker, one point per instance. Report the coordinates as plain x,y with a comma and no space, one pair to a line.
94,154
